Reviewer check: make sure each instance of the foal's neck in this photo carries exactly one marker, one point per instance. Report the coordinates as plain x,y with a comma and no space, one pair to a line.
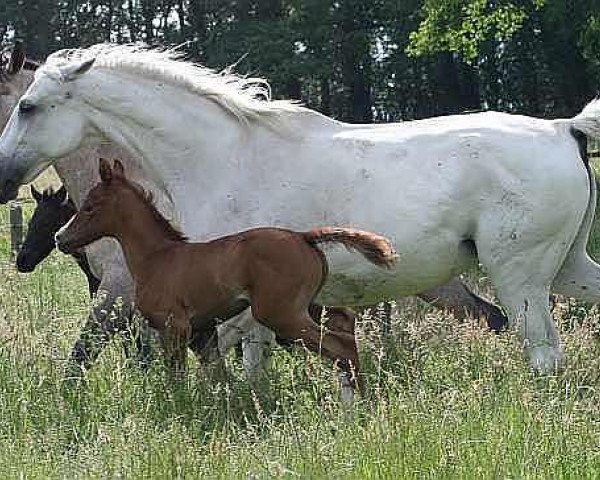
142,235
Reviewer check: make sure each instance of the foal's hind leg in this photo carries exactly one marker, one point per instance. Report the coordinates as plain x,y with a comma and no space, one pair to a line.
341,321
456,298
338,319
339,346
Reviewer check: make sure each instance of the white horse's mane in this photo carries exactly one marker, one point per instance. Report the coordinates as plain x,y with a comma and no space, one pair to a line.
242,97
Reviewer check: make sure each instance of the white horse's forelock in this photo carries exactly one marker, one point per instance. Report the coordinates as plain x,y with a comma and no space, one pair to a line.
244,97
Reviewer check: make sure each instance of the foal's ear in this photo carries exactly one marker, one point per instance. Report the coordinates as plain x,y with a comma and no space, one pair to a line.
105,170
118,169
17,58
37,196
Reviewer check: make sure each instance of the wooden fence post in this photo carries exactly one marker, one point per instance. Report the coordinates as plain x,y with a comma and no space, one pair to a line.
16,228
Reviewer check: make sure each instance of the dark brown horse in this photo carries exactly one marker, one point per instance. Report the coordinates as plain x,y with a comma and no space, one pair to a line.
53,209
177,283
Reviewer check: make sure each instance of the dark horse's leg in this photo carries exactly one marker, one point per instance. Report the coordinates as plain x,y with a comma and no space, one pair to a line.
455,297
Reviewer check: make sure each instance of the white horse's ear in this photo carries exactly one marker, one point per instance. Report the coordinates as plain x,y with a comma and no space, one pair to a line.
74,71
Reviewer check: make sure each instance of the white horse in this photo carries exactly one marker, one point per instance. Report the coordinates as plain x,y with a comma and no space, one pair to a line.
78,172
513,190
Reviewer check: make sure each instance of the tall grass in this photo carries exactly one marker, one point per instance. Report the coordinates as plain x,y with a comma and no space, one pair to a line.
445,400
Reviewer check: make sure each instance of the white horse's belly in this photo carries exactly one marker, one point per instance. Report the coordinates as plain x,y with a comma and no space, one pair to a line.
352,280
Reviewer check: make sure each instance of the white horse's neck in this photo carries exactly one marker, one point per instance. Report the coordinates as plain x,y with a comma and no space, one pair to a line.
175,133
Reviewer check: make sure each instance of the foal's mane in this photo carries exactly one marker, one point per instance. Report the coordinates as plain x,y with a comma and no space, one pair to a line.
147,198
239,96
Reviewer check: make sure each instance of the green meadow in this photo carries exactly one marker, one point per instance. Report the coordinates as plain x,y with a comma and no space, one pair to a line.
445,400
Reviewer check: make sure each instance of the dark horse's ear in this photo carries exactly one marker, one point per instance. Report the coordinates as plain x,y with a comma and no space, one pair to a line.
105,170
17,58
118,169
61,194
37,196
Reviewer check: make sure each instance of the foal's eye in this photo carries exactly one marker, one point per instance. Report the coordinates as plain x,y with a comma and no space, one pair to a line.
26,107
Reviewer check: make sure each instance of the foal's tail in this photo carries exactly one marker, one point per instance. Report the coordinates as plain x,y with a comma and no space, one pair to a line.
375,248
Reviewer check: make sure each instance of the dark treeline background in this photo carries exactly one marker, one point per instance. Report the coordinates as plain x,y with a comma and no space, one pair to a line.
357,60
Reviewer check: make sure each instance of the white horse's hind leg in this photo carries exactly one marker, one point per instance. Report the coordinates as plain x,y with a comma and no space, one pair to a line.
528,309
579,275
522,275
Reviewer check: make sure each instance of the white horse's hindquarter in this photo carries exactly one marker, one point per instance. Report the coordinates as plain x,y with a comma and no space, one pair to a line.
525,242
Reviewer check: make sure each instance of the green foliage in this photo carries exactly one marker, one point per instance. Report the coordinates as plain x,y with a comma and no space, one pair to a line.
462,26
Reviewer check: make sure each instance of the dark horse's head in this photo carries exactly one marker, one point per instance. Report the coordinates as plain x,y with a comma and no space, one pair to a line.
53,210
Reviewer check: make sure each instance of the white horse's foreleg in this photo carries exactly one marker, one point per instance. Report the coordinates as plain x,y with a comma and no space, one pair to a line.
257,342
346,388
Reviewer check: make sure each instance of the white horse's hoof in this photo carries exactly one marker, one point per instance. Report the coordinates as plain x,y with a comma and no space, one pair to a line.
546,359
346,389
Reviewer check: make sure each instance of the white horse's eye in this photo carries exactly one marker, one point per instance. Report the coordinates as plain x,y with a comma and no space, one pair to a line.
26,107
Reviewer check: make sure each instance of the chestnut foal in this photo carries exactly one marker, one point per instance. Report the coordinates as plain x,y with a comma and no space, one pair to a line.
278,272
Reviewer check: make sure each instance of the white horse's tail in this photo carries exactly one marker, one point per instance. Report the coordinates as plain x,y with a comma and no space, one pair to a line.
587,121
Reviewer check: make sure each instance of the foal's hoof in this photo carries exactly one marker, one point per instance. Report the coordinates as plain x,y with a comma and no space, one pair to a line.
546,359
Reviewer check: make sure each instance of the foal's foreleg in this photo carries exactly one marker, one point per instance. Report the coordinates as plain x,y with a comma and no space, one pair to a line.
175,339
